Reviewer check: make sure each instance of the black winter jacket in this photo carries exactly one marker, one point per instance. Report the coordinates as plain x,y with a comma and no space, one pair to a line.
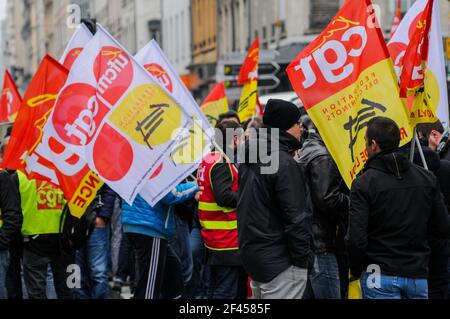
394,207
11,212
274,214
330,205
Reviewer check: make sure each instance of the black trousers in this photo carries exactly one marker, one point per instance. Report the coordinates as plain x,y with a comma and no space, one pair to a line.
35,272
14,274
159,273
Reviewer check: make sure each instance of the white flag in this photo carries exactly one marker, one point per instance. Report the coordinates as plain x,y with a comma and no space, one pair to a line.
188,152
80,38
115,116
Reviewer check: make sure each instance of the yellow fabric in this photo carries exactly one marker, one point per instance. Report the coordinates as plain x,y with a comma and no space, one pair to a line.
41,208
213,207
219,225
354,290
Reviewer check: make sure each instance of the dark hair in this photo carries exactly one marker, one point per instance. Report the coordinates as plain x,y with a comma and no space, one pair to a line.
221,132
426,128
229,115
385,132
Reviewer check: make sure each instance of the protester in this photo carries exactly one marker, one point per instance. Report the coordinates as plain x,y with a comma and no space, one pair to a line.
14,274
42,206
330,207
274,217
438,279
394,207
148,230
10,223
230,115
93,257
218,182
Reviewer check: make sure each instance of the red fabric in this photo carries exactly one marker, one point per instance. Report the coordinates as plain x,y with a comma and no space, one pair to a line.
417,52
216,239
250,64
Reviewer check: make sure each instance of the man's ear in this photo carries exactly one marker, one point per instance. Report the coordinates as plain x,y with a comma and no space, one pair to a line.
374,146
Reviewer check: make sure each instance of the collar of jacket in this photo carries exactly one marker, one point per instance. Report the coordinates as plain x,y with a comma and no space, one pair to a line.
391,162
287,142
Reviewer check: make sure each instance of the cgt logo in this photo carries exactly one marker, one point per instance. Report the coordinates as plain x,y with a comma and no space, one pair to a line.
163,77
335,57
113,71
77,118
78,114
48,196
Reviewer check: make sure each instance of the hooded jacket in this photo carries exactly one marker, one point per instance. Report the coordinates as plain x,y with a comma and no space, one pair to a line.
330,205
274,215
394,207
157,221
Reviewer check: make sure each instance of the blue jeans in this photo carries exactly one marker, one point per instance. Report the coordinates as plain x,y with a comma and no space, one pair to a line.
394,288
4,264
198,285
93,262
324,278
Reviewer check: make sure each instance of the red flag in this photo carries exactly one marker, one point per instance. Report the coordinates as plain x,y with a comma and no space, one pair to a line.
249,70
397,19
416,54
37,104
10,100
345,78
215,104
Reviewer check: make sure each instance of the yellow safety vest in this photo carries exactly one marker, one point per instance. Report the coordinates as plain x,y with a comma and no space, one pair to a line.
42,205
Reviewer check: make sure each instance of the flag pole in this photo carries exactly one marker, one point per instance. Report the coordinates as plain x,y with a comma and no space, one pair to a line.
413,146
415,142
422,156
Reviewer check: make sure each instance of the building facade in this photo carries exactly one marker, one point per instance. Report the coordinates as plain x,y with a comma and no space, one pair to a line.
176,36
204,45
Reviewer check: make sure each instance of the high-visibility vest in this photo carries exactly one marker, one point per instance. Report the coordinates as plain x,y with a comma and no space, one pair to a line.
219,224
42,205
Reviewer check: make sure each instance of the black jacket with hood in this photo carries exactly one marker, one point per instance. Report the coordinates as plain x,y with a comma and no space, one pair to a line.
394,207
274,214
330,204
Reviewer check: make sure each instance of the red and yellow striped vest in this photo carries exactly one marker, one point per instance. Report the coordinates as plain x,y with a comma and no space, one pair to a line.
219,224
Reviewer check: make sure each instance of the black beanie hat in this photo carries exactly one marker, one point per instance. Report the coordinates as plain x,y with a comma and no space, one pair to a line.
281,114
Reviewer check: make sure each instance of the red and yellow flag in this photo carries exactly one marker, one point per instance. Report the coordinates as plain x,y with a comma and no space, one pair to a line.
37,105
248,77
215,104
416,55
345,78
10,100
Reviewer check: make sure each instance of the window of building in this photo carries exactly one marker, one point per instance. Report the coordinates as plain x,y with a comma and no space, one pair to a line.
322,12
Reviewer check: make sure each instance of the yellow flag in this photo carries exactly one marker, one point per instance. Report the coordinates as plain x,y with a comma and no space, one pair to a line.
249,100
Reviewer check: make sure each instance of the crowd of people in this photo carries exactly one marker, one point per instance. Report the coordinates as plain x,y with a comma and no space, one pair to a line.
242,230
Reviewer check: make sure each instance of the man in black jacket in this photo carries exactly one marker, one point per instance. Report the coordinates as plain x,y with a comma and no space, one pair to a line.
394,207
274,216
10,221
330,208
438,280
10,224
